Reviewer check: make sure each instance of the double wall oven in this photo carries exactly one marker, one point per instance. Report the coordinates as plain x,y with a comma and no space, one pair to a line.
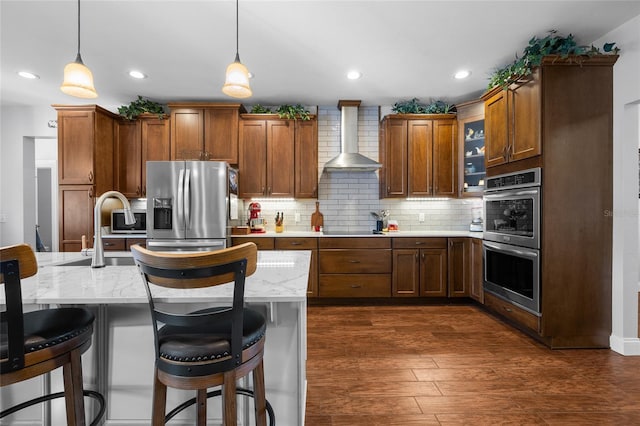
512,238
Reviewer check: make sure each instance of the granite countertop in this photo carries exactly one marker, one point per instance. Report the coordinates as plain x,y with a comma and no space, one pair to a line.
281,276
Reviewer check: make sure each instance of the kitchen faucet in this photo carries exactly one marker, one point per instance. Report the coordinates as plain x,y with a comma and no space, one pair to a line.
97,261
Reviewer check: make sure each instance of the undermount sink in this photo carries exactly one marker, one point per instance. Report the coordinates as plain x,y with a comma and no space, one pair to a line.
108,261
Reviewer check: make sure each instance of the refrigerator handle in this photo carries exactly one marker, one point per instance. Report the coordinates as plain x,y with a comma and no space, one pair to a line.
181,198
187,198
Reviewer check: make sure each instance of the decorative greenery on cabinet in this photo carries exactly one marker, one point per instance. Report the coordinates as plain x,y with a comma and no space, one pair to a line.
291,112
552,44
141,106
415,107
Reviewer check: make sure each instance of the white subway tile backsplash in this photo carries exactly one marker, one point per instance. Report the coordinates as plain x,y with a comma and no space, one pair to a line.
347,198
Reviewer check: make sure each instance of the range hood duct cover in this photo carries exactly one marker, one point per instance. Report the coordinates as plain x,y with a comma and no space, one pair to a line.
349,160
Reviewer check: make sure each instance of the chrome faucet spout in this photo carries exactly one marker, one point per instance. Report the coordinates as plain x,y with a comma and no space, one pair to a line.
97,261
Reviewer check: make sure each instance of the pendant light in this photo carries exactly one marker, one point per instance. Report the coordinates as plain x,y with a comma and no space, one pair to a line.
236,83
78,80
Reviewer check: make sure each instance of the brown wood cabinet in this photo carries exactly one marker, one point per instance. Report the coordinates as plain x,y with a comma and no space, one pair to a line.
306,159
573,115
419,155
75,204
205,131
354,267
459,261
477,271
121,244
267,162
419,267
513,121
471,160
139,141
86,135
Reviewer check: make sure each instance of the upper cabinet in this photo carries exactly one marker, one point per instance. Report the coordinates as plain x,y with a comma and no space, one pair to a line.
513,121
277,157
205,131
471,165
86,146
419,156
139,141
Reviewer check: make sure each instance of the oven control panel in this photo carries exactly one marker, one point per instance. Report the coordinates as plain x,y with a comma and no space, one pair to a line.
525,178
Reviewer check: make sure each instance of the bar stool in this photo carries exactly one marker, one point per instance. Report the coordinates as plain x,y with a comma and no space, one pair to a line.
35,343
210,347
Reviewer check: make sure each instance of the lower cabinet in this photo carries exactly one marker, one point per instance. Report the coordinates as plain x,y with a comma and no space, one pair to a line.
76,216
459,260
419,267
354,267
121,244
477,273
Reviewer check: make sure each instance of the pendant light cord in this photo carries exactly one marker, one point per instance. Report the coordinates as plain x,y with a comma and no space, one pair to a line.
78,57
237,32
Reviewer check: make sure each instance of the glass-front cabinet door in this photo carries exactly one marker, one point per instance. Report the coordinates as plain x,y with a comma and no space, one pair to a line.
474,166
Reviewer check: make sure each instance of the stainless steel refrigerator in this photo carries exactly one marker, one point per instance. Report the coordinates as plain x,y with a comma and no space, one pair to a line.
189,204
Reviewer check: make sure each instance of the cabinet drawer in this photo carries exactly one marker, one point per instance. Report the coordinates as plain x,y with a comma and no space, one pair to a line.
288,243
338,261
113,244
355,285
132,241
419,243
263,243
512,312
378,242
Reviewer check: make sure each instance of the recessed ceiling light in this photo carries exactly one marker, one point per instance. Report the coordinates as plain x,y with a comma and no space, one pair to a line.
462,74
354,75
137,74
29,75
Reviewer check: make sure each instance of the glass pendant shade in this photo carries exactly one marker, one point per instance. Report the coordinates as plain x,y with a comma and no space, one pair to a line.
78,80
236,83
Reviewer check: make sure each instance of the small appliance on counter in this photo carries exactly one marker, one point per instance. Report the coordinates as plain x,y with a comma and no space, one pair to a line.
256,221
476,223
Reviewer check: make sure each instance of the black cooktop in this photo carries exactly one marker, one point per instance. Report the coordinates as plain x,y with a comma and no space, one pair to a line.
348,233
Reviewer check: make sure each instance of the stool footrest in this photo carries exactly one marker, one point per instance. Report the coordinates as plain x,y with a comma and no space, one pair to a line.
92,394
239,391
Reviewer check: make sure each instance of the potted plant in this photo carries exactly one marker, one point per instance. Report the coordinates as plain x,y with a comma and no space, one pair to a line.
538,48
293,112
415,107
141,106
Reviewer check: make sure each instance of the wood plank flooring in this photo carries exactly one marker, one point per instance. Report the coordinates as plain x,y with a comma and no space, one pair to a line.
451,365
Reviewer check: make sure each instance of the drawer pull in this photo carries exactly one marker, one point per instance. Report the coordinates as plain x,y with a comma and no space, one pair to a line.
295,243
356,286
354,261
507,309
418,243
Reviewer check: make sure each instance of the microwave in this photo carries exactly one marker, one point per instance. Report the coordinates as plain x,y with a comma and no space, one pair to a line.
119,227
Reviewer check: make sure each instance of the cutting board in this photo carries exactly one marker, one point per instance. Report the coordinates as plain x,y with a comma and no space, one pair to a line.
317,219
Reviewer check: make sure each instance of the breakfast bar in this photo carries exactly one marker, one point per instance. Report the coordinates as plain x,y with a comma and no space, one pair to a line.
119,363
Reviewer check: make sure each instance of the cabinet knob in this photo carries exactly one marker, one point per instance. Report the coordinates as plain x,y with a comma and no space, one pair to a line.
90,176
263,193
138,191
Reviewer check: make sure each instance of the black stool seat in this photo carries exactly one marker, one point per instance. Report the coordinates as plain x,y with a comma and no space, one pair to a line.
47,328
37,342
208,342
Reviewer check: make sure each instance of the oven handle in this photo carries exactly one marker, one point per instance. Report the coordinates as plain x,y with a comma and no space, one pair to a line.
512,194
525,253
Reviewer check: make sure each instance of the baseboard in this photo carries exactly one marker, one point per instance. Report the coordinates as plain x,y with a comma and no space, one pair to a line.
628,346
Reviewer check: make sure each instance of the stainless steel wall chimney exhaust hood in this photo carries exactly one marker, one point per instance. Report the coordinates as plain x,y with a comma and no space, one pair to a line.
349,160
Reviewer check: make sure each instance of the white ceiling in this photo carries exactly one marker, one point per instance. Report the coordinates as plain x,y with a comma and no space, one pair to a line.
298,50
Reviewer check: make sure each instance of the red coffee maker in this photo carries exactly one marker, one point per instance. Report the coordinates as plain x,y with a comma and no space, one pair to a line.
256,222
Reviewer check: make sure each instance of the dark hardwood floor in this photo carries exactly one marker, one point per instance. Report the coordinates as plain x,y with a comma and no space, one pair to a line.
446,365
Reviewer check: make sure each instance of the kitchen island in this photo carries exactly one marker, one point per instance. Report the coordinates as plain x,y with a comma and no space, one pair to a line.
120,362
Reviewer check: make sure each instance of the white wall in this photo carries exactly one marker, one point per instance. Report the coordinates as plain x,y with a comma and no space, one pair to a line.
626,218
19,125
